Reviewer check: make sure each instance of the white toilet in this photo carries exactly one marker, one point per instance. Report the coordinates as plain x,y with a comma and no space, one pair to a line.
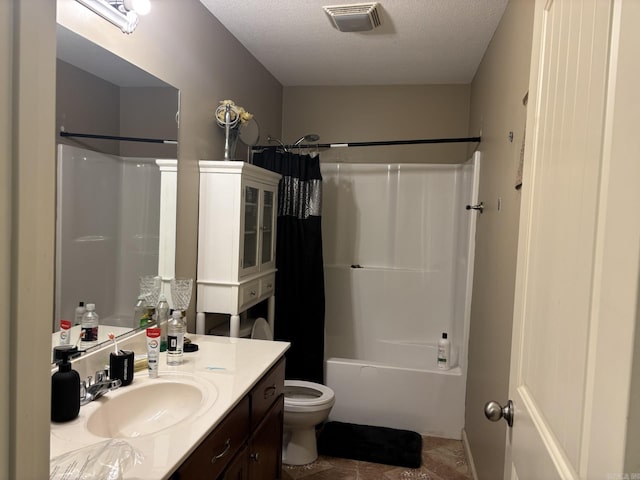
306,404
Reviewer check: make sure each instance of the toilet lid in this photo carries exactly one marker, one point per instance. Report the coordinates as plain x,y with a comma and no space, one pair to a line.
301,394
261,330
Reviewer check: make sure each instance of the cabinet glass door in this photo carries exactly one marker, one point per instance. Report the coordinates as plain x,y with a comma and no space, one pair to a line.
266,248
250,234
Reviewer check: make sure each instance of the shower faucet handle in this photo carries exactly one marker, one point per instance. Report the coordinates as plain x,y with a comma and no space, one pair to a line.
479,207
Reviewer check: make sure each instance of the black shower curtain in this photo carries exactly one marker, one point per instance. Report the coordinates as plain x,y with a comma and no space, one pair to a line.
299,306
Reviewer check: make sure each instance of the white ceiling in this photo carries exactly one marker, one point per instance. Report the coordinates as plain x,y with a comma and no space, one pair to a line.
419,41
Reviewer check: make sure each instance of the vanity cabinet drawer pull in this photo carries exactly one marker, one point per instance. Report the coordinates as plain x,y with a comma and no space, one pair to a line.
269,391
227,446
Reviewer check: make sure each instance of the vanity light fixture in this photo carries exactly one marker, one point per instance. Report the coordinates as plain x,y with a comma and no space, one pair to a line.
141,7
122,13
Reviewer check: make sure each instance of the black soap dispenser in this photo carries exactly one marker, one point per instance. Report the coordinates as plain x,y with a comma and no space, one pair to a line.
65,391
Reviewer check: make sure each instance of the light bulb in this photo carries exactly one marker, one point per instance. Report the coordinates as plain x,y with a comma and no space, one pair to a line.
141,7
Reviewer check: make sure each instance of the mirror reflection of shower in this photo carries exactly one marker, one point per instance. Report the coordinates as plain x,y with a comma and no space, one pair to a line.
308,138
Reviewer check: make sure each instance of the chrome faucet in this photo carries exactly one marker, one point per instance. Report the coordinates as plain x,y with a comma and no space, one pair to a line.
92,391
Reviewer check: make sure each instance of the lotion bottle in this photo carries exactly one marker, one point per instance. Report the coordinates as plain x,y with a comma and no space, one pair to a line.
444,352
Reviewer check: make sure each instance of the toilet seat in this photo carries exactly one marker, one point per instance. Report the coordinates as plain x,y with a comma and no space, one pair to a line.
302,396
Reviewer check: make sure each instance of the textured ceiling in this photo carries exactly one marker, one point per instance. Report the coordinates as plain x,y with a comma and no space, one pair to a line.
419,41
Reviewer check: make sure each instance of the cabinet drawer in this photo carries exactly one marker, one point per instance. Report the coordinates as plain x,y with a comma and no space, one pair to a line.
266,392
267,285
217,450
248,294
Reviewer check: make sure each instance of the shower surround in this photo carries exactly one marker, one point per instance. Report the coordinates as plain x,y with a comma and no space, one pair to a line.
398,250
107,234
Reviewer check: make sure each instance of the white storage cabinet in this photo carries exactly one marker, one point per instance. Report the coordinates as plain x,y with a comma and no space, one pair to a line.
236,240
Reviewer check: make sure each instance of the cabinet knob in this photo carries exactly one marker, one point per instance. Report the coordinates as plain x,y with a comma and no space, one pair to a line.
253,293
255,457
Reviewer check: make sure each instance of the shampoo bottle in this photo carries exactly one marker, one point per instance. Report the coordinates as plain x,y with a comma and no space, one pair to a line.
444,352
65,391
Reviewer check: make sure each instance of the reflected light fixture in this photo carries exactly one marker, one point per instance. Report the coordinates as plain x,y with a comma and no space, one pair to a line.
122,13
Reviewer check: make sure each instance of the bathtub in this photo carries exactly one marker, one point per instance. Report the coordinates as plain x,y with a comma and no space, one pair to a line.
415,396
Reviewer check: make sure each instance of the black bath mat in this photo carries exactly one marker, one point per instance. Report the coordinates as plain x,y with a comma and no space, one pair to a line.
371,444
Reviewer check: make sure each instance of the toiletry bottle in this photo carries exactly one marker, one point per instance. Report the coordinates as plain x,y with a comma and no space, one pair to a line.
175,338
65,391
162,320
444,352
77,320
89,327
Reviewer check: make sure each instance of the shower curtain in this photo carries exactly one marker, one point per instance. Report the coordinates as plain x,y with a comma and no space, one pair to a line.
299,303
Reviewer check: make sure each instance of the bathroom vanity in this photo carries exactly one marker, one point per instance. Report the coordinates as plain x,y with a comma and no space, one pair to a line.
248,442
226,403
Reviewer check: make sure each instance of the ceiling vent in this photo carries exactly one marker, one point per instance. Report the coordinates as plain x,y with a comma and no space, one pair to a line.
357,17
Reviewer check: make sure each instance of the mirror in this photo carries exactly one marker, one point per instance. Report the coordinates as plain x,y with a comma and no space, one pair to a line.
250,133
115,212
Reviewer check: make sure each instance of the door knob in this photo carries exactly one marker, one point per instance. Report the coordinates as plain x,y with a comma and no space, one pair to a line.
494,412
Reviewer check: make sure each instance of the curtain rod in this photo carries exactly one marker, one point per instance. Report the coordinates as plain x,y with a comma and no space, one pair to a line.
375,144
114,137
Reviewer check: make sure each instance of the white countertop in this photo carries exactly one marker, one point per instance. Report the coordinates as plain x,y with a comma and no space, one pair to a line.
229,367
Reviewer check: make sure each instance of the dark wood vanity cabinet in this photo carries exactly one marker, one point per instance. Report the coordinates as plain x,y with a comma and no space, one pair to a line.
247,445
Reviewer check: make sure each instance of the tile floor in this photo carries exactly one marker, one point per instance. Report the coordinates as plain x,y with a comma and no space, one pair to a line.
442,459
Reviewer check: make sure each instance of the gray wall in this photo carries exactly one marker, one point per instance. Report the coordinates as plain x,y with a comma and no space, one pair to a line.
496,109
27,182
380,113
6,92
88,104
148,112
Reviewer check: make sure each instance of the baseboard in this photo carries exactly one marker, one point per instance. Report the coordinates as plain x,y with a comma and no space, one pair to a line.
467,451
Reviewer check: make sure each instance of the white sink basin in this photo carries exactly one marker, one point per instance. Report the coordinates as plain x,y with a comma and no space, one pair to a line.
149,406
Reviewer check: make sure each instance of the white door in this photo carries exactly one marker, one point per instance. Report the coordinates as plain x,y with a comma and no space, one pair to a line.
577,276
